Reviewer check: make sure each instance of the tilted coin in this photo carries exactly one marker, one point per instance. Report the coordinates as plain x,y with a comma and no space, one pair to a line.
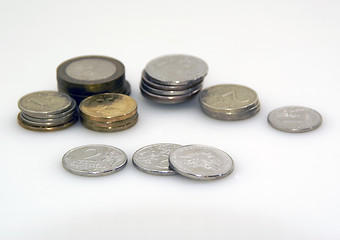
42,104
94,160
154,159
156,91
229,102
108,106
294,119
176,69
201,162
168,99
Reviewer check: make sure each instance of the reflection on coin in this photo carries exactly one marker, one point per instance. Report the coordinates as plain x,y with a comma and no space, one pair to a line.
170,92
229,102
44,103
94,160
176,69
154,159
108,106
201,162
294,119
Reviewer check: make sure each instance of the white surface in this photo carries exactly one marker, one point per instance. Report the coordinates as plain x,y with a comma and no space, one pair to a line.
284,186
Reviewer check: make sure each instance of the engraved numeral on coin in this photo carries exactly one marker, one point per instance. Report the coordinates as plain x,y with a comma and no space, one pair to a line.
234,97
93,153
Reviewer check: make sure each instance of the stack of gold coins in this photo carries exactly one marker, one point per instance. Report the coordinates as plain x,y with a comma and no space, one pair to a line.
85,76
47,111
108,112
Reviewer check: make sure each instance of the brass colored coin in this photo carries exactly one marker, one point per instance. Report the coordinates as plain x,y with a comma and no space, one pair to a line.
109,124
111,129
45,129
108,107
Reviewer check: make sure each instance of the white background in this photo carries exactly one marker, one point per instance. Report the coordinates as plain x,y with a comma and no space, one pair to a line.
284,186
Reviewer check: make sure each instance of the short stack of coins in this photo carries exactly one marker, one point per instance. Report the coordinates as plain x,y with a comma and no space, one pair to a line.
173,79
229,102
85,76
108,112
47,111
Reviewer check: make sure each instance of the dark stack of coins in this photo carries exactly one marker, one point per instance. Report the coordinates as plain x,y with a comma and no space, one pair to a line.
173,79
108,112
47,111
85,76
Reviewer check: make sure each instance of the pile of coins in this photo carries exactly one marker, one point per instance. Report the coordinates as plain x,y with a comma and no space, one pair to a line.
173,79
47,111
229,102
198,162
108,112
85,76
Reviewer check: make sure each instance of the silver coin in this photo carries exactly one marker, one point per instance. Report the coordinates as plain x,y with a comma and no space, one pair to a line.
168,99
94,160
176,70
154,159
228,99
156,91
51,123
44,103
294,119
146,80
201,162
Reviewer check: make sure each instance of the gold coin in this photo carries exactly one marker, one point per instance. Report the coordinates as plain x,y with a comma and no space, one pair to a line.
109,124
108,107
45,129
111,129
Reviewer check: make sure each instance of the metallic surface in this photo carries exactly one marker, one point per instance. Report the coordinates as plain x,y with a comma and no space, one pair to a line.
156,91
44,103
229,102
176,69
154,159
94,160
201,162
109,128
108,106
294,119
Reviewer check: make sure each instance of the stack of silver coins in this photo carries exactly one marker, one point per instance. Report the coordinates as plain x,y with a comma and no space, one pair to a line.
85,76
173,79
47,111
229,102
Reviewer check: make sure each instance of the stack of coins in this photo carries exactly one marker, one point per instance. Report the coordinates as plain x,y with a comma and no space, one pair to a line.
229,102
108,112
47,111
173,79
85,76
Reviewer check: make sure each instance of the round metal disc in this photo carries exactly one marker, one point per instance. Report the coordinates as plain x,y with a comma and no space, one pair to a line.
294,119
154,159
94,160
176,70
156,91
201,162
42,104
109,128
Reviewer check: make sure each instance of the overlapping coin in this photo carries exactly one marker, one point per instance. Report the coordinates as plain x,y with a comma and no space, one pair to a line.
154,159
173,79
85,76
47,111
94,160
201,162
294,119
229,102
108,112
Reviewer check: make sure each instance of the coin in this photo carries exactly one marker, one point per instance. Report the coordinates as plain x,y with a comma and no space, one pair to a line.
94,160
229,102
294,119
201,162
109,123
109,128
156,91
167,99
176,69
154,159
47,122
42,104
108,106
